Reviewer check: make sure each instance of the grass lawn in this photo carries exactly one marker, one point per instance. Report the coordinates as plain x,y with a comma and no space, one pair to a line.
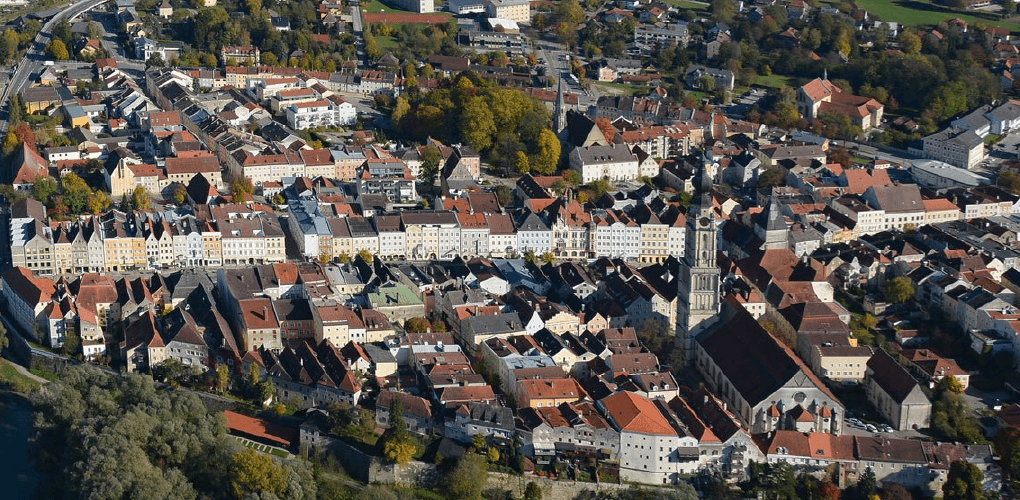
48,375
688,5
992,139
913,12
375,7
11,379
774,81
386,42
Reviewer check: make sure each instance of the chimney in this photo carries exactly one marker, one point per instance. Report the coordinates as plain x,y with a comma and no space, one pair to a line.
265,312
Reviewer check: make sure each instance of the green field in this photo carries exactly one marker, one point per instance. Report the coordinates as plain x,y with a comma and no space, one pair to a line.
688,5
375,7
774,81
914,12
386,42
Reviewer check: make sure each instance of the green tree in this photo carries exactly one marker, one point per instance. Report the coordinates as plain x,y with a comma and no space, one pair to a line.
949,384
429,164
44,189
466,479
532,491
963,482
95,30
492,454
156,60
256,474
723,10
548,258
62,31
57,50
1007,446
478,442
910,42
898,290
76,193
547,157
140,198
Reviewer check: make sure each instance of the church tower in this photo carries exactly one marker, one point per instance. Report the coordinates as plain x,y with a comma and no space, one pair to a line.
697,304
560,120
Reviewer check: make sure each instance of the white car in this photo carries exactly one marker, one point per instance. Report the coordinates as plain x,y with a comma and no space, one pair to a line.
871,428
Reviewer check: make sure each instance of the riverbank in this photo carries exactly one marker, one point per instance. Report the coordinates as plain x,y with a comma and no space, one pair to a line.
16,419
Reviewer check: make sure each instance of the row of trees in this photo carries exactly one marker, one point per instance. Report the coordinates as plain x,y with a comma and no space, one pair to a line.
506,125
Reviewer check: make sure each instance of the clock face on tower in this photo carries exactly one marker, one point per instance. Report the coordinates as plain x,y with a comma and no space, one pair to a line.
704,222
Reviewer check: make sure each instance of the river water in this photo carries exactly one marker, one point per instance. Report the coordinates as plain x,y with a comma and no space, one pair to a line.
16,472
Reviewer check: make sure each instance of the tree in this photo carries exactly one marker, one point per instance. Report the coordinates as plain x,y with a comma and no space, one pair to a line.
606,127
62,31
399,452
416,325
95,30
522,165
830,491
155,60
478,123
949,384
11,142
771,177
548,258
430,164
547,157
950,417
57,50
99,201
240,188
253,473
140,198
366,256
76,193
222,378
466,479
44,189
898,290
532,491
478,441
963,482
72,343
723,10
180,194
504,195
439,326
1007,446
910,42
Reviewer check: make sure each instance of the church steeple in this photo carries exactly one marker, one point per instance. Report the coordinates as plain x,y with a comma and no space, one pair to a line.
698,283
561,108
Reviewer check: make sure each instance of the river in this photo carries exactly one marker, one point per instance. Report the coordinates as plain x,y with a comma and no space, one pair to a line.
16,472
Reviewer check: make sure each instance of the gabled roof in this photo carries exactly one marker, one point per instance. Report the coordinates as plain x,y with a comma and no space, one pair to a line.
634,413
890,376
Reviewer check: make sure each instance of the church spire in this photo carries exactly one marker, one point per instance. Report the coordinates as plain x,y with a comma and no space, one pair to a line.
561,108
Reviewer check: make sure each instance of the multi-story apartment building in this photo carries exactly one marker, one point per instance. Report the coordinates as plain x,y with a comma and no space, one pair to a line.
518,11
431,235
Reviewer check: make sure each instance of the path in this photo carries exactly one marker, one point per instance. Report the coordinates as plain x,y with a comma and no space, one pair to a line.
22,370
